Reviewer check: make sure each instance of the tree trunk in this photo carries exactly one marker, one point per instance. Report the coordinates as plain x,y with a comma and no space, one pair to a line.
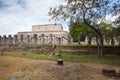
79,39
100,45
98,33
99,39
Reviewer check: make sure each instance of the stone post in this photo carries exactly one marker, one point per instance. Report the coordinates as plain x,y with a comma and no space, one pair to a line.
15,39
51,39
28,37
86,40
43,38
21,38
93,40
9,39
4,39
35,38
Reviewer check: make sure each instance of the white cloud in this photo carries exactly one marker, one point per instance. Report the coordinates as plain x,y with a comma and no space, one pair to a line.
20,15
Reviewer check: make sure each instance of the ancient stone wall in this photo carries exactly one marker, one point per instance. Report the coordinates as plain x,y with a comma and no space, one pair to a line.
47,27
92,40
40,34
23,38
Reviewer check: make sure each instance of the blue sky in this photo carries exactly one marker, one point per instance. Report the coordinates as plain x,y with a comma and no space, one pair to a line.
20,15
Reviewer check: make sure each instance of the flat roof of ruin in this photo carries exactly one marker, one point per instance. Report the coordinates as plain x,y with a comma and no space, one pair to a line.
47,27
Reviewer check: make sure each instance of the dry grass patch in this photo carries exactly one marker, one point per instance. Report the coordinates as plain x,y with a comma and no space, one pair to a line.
29,69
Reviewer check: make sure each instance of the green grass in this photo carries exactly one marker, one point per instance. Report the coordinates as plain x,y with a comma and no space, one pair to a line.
78,58
111,60
91,59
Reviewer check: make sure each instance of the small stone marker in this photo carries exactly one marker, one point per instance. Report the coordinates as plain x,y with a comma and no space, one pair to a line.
59,62
58,55
109,72
118,74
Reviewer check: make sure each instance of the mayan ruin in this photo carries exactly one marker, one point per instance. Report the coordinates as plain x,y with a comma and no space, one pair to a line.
40,34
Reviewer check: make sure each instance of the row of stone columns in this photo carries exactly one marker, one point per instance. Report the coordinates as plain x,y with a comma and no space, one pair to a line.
33,39
92,40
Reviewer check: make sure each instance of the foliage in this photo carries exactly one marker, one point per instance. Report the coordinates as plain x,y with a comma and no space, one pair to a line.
91,11
117,21
108,31
78,28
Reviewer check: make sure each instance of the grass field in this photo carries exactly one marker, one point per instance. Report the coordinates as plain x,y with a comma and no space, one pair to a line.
111,60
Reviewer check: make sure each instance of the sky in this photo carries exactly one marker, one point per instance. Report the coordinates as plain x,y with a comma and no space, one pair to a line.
20,15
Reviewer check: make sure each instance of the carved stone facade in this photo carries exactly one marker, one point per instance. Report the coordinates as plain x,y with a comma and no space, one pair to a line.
40,34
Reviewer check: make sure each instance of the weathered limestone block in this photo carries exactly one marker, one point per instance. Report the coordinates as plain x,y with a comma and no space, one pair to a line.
10,39
109,72
21,38
35,38
15,39
51,38
4,39
43,40
28,39
46,34
59,62
94,40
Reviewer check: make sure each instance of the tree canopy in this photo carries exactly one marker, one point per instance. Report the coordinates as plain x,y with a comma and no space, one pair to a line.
92,12
79,30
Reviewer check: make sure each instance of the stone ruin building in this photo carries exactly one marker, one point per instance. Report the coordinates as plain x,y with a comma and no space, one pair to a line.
40,34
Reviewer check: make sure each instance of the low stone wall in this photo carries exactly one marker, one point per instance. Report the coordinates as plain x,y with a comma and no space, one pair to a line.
89,49
32,48
63,48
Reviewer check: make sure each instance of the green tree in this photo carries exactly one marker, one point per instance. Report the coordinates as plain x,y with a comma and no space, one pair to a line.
91,11
108,31
117,23
79,30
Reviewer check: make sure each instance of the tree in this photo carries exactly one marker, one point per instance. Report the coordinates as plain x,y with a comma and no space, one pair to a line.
108,31
91,11
117,23
79,30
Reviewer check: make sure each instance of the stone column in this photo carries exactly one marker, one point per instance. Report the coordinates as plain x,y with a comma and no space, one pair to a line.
43,40
10,39
35,38
89,40
21,38
93,41
51,39
15,39
28,37
4,39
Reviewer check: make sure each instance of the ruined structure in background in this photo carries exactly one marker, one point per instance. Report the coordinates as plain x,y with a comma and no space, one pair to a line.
40,34
50,34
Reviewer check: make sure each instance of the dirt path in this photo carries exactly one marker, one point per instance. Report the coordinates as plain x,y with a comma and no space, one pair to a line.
13,68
